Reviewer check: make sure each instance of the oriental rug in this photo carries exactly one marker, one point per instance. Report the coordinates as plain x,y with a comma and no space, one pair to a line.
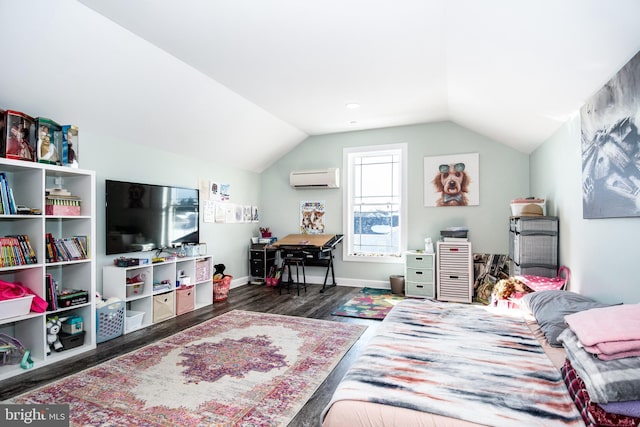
369,304
240,369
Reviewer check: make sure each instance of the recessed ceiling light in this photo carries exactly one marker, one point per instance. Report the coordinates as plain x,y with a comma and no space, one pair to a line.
352,105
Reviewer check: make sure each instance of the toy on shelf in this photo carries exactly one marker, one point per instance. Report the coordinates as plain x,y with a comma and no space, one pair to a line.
53,329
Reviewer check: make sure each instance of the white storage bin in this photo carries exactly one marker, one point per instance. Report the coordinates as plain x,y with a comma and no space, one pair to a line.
15,307
133,320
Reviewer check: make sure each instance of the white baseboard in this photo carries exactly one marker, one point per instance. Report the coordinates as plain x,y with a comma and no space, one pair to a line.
318,280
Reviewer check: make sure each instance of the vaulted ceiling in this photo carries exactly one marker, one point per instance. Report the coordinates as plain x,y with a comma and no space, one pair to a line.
514,71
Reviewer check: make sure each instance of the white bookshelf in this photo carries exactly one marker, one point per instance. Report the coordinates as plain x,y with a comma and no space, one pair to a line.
28,181
149,301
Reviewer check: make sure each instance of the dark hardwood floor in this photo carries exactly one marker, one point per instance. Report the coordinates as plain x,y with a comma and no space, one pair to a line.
311,304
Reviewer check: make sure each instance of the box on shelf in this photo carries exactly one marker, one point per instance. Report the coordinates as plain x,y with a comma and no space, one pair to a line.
70,341
18,140
183,281
71,297
135,288
15,307
70,146
61,210
49,141
133,320
73,325
109,321
163,306
185,300
203,270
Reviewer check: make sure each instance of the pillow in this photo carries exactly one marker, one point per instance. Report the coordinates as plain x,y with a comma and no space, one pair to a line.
550,307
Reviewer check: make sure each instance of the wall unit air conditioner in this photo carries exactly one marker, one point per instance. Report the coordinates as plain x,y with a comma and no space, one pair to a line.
319,178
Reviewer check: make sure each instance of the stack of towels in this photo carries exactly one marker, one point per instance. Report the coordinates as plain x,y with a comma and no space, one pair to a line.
603,363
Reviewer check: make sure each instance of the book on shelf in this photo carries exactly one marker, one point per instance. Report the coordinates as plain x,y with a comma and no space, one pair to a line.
5,194
65,249
51,294
16,250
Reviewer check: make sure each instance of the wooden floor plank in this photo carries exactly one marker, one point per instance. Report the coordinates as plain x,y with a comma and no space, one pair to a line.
311,304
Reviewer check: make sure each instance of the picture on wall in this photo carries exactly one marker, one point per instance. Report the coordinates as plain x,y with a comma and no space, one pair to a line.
610,147
452,180
312,217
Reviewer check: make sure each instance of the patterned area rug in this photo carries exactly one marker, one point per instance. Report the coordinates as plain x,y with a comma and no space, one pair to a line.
369,304
239,369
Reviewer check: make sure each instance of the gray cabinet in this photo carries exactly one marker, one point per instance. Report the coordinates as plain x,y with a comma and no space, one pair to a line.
533,245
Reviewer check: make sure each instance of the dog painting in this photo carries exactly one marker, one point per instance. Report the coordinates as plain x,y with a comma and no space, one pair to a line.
312,217
452,183
451,180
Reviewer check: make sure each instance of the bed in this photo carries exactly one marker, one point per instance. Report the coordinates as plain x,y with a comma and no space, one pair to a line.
453,365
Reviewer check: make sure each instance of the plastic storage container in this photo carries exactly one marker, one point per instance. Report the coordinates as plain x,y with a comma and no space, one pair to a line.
15,307
109,321
133,320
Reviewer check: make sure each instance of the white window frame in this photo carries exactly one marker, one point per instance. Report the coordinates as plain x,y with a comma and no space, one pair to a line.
348,183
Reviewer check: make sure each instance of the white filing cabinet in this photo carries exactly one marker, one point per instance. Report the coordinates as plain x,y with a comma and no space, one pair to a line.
420,275
455,271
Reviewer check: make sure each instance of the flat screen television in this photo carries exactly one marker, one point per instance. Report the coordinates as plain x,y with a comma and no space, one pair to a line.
146,217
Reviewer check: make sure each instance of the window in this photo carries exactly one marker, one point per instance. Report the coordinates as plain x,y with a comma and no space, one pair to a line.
375,203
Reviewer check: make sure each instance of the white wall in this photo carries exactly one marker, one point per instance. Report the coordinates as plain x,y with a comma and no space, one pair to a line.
65,62
601,253
504,175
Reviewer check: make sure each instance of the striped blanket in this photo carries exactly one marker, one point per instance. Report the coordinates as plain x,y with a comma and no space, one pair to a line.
460,361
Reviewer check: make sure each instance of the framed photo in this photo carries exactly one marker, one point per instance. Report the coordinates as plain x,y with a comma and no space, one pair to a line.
312,217
452,180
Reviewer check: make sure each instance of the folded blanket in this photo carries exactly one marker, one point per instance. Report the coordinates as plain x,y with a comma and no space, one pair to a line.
599,325
614,349
629,409
606,381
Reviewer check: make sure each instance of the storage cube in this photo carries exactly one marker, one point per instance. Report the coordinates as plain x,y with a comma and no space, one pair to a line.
203,270
185,300
163,306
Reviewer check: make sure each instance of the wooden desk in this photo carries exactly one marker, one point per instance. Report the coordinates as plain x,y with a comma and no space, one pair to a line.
315,249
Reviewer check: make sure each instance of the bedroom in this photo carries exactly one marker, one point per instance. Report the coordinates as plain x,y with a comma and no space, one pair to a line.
599,252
